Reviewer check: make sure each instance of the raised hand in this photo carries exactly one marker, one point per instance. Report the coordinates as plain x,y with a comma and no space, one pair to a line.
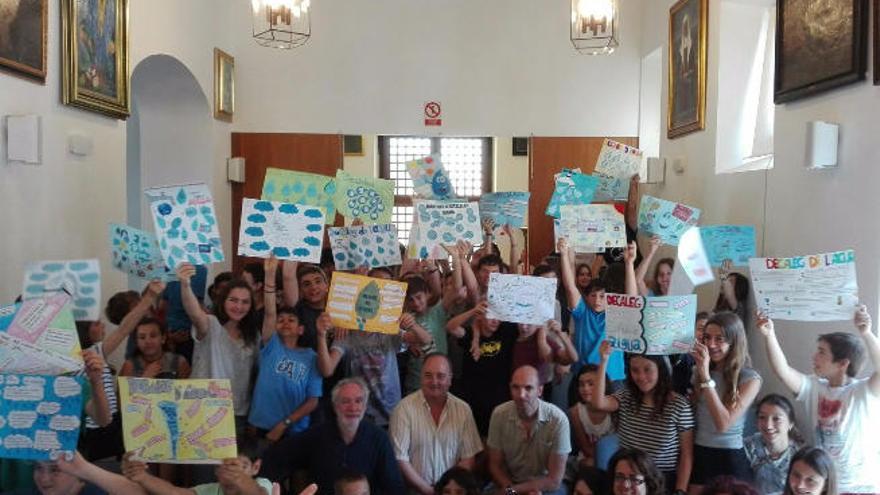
270,265
94,365
605,350
656,242
630,253
323,325
701,355
133,469
185,272
764,324
407,320
155,288
862,319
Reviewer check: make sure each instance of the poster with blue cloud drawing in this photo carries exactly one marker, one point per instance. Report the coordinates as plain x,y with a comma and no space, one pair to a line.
186,224
729,242
364,245
445,222
521,298
616,165
301,188
39,337
39,416
291,232
650,325
367,198
79,278
666,219
136,252
505,208
430,179
572,188
588,227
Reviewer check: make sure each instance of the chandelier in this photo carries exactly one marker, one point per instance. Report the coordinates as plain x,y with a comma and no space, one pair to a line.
594,26
281,23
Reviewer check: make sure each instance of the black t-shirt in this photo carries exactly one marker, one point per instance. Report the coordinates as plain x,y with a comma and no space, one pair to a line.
615,255
485,381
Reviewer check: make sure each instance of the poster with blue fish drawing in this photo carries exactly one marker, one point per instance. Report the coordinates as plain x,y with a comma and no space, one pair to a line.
650,325
666,219
39,416
729,242
572,188
136,252
364,245
38,337
291,232
505,208
301,188
616,165
430,179
81,279
588,227
445,222
521,298
186,224
367,198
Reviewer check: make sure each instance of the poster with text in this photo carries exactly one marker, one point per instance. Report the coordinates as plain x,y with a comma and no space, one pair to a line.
79,278
177,421
367,198
572,188
502,208
39,416
817,287
363,303
729,242
39,337
301,188
666,219
364,245
521,298
588,227
651,325
136,252
290,232
616,165
692,258
430,179
186,224
445,222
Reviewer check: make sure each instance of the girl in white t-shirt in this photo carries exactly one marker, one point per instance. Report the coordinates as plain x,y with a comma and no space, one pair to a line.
589,424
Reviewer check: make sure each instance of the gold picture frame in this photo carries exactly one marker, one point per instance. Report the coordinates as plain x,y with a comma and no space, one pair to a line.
94,56
688,36
224,85
23,49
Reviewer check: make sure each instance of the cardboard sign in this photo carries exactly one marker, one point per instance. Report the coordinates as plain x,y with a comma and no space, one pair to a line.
521,298
290,232
650,325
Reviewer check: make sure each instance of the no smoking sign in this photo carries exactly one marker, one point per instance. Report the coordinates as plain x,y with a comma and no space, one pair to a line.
432,114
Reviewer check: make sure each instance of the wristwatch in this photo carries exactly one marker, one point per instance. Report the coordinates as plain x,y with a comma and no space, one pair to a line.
708,384
510,491
287,422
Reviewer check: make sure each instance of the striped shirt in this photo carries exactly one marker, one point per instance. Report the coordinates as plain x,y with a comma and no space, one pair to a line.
433,448
658,437
109,382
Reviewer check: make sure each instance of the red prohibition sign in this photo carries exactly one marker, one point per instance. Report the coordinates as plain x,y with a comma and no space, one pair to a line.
432,110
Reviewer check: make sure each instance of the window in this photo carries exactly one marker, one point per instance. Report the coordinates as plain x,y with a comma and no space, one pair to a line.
468,161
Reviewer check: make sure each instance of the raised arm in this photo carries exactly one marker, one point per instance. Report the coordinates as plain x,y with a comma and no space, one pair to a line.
792,378
567,354
723,415
98,407
863,325
105,480
270,305
545,352
632,203
467,273
431,273
415,333
290,291
191,304
566,264
129,323
455,325
727,289
328,358
515,251
629,259
600,401
137,472
642,272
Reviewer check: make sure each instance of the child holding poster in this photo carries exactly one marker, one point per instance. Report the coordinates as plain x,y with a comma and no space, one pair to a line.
734,295
662,272
839,406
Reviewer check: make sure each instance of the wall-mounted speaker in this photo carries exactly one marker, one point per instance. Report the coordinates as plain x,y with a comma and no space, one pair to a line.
520,146
353,145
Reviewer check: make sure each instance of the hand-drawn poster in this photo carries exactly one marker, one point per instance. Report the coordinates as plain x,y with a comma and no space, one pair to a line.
445,222
364,245
430,179
367,198
39,416
729,242
615,167
692,258
79,278
186,224
136,252
521,298
502,208
301,188
650,325
291,232
572,188
667,219
588,227
818,287
38,337
364,303
177,421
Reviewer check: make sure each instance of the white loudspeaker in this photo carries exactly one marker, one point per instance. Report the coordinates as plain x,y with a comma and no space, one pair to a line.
822,138
23,139
235,169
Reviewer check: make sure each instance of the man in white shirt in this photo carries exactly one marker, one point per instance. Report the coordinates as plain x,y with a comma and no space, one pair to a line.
433,430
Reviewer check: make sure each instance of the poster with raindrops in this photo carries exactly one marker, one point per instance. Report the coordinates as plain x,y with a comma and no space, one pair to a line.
444,222
136,252
186,224
430,179
301,188
616,165
572,188
291,232
367,198
364,245
510,207
81,279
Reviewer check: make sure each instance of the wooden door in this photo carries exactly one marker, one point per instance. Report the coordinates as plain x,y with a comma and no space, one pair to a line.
547,156
315,153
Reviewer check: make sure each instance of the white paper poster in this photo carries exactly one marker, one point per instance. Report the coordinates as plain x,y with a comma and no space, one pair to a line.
291,232
588,227
81,279
616,165
364,245
445,222
650,325
521,298
186,224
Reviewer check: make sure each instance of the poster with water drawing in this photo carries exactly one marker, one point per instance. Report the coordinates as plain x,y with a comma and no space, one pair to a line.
616,165
509,207
650,325
79,278
290,232
588,227
136,252
572,188
367,198
364,245
430,179
39,337
367,304
185,224
301,188
729,242
521,298
445,222
666,219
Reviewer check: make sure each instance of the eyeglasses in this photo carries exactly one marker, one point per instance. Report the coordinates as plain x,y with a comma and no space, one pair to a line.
629,480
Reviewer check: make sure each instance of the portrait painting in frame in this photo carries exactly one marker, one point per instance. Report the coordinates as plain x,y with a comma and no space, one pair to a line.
224,85
23,37
688,26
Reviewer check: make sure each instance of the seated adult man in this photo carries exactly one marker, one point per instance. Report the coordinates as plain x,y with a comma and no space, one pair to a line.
331,449
433,430
528,439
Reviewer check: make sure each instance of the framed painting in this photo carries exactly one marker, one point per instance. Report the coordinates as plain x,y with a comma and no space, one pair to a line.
224,85
688,27
819,46
94,55
23,37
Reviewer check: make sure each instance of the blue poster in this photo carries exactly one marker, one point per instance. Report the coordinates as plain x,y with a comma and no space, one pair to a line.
39,416
572,188
667,219
729,242
505,208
